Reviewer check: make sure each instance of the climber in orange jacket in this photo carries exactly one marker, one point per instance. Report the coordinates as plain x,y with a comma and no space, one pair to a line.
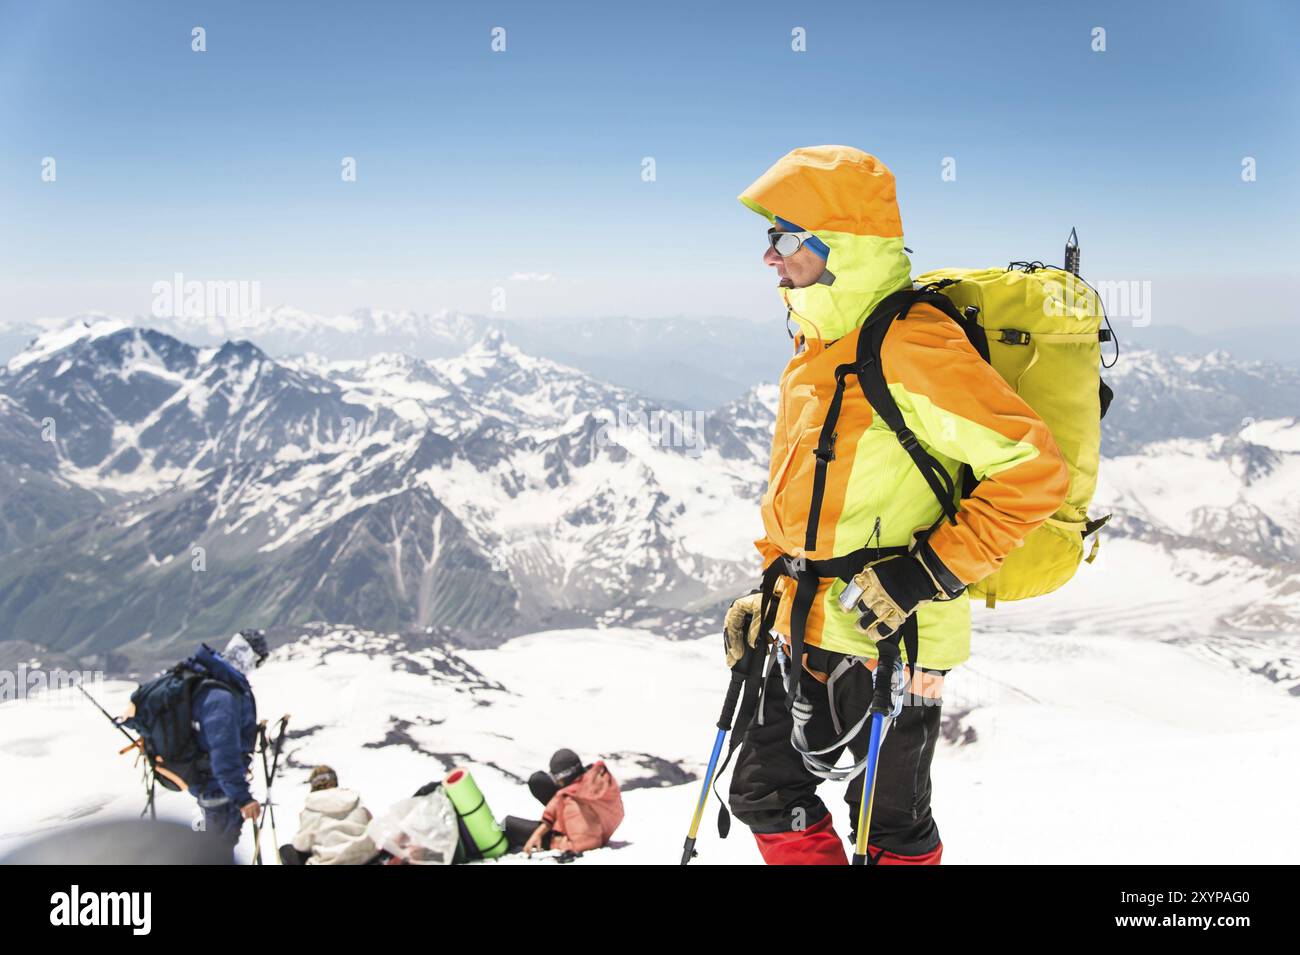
838,503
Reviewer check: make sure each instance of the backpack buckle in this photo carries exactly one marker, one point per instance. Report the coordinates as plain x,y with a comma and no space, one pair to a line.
1013,336
907,439
827,454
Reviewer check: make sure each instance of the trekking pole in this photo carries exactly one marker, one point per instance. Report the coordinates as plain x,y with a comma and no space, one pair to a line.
257,843
270,778
266,775
882,715
116,725
257,823
724,724
739,674
149,805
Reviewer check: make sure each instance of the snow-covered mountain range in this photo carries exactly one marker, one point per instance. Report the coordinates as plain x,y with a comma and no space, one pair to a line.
686,363
200,488
160,492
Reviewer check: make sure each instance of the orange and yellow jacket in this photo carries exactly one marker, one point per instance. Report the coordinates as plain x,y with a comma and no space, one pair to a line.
958,406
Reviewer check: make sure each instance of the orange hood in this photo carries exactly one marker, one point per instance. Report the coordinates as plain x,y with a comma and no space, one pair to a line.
847,199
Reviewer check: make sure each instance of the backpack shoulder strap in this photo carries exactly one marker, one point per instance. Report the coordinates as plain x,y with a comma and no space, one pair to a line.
883,314
201,678
871,377
867,369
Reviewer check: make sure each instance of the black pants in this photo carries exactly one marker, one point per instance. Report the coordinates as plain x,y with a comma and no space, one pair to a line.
772,791
518,829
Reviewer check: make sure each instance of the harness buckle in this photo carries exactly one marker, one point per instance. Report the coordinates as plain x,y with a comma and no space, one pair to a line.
794,566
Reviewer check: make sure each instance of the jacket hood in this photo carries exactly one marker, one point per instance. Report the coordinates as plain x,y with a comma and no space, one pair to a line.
220,668
333,802
240,655
847,199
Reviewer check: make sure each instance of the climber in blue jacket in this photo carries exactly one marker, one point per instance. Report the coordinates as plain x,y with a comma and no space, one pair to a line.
226,716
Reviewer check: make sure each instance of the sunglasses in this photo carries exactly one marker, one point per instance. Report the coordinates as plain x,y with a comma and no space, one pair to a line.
786,243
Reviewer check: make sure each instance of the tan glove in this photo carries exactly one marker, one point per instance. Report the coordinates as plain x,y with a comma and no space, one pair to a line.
893,589
741,626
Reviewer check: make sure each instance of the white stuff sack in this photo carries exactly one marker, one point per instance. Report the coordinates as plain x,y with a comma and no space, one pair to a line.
421,830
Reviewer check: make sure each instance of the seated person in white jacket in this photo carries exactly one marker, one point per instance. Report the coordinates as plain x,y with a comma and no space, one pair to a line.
332,827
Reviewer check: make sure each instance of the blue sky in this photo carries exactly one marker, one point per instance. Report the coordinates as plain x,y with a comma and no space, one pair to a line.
475,166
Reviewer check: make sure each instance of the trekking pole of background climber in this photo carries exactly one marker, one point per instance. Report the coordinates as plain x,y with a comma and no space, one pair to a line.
882,708
266,775
257,842
724,725
116,725
270,777
275,765
149,805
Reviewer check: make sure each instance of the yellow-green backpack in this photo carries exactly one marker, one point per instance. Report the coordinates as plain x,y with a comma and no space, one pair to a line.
1044,331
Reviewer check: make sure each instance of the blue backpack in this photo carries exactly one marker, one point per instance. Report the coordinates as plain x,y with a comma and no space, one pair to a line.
164,720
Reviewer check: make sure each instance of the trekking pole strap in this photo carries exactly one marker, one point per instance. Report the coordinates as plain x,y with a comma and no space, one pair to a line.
882,701
277,748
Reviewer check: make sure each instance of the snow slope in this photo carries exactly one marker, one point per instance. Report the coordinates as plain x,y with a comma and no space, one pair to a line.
1081,746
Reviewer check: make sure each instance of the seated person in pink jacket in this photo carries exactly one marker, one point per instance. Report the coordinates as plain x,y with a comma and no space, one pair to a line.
583,808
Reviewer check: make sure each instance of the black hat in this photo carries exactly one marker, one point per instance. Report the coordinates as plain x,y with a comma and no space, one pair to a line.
565,766
257,640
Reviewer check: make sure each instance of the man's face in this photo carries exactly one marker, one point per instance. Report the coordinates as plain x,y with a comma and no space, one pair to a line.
803,268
